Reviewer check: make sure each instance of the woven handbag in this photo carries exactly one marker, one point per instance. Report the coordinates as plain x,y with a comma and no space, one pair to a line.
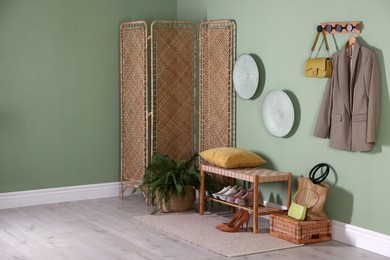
318,193
319,67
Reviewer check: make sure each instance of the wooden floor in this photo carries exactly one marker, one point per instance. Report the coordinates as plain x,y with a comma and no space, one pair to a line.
104,229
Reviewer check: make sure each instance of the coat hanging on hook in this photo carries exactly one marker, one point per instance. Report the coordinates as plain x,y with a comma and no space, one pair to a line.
350,109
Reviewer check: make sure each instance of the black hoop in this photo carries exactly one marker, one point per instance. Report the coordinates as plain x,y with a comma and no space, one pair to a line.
323,175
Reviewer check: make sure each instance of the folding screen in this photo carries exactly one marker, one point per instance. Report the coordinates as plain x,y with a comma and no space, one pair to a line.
173,88
183,122
216,97
134,103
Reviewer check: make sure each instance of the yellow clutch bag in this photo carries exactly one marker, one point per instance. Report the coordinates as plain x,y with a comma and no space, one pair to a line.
319,67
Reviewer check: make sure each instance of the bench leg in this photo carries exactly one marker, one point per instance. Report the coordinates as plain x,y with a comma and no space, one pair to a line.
201,191
255,203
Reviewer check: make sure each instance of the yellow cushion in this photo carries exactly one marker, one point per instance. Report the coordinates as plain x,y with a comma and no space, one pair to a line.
229,157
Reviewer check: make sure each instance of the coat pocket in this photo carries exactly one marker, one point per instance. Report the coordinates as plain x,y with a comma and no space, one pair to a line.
359,117
337,117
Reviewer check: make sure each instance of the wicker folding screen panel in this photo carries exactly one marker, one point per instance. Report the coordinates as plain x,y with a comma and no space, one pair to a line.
216,97
173,88
134,102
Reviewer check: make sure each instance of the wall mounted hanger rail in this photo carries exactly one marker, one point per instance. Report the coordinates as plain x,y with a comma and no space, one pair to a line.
340,27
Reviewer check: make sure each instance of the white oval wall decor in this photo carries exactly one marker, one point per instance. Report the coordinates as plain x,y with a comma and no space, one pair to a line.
245,76
278,113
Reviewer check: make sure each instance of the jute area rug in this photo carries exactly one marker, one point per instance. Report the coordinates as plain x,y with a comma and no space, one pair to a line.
200,231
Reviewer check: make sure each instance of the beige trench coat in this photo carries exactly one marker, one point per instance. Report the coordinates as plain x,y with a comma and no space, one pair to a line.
349,113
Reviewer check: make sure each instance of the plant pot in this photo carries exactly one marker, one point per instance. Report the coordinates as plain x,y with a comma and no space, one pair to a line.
178,203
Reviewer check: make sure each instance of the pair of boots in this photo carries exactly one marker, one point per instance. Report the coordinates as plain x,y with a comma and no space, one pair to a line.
239,219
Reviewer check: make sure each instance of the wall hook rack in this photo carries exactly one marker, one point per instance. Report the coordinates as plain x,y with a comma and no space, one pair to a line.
340,27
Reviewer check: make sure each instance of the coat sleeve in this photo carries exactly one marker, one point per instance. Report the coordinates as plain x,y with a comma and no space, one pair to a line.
373,88
322,127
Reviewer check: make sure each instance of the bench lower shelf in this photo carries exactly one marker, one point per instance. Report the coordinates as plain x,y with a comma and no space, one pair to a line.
261,211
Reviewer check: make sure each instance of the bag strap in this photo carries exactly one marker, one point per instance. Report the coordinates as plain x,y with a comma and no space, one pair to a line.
299,191
324,174
316,40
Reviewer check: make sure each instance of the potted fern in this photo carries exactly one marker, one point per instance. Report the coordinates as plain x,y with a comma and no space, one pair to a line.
172,183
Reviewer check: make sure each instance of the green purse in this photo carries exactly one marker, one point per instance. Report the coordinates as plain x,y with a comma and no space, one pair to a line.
319,67
298,211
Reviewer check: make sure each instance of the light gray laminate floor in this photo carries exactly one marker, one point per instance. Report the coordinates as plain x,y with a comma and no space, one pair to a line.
104,229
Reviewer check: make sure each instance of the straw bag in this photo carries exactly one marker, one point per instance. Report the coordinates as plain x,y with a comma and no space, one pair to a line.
318,193
319,67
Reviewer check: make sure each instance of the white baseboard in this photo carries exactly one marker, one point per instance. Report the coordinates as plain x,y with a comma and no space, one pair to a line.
56,195
361,238
345,233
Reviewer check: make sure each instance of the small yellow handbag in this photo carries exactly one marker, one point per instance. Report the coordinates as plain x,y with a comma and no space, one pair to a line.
298,211
319,67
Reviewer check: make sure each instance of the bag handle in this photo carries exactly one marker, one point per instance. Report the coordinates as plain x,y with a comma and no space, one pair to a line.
308,197
324,174
316,40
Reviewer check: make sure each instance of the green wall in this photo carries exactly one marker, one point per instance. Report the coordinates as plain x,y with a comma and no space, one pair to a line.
280,34
59,89
59,92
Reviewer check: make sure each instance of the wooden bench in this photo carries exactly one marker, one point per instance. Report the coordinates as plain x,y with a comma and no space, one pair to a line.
255,175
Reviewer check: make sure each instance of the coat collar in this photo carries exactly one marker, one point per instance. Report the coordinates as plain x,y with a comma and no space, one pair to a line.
347,67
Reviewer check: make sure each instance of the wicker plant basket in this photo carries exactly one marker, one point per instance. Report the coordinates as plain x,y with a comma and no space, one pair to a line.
178,203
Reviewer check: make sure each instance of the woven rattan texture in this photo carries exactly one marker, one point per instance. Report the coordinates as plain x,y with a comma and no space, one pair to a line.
173,88
300,232
216,108
134,101
247,174
178,203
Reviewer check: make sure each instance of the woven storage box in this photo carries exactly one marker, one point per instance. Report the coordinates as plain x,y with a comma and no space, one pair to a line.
300,232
